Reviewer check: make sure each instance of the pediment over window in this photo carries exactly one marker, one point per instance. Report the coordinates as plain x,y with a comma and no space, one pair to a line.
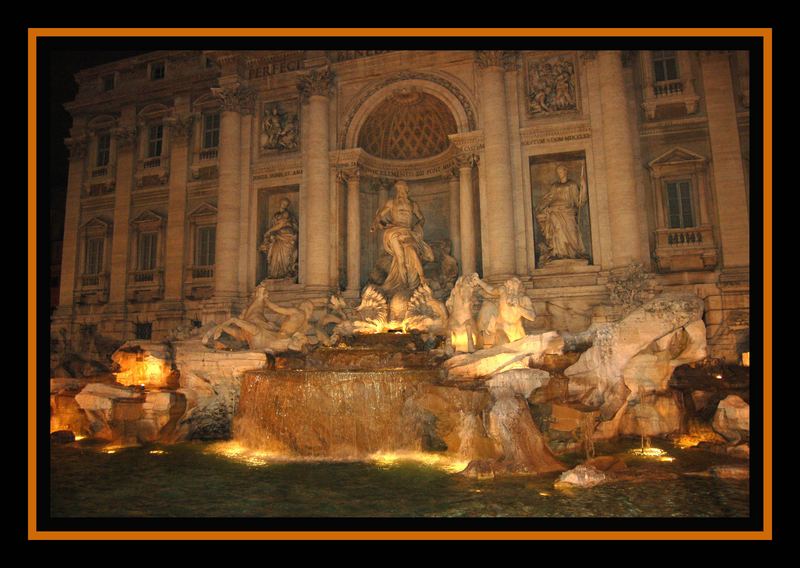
149,219
97,226
206,102
203,210
152,111
677,155
102,122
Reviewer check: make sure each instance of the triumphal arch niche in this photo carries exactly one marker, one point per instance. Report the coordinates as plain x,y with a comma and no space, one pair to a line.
406,160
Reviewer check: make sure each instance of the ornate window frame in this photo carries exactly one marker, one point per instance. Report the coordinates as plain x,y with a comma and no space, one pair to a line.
199,280
688,248
93,288
657,94
101,180
146,285
153,170
204,162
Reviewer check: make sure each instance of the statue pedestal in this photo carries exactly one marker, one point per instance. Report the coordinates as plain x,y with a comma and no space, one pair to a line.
565,272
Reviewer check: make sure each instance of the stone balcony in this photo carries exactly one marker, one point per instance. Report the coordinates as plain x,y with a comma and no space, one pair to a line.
92,289
668,93
199,282
145,285
691,248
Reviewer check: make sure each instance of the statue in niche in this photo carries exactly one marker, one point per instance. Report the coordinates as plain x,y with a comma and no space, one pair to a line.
448,272
557,215
461,323
402,221
501,314
254,329
280,244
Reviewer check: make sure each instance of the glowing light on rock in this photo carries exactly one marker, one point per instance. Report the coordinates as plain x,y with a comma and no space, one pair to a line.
136,371
717,376
746,359
78,438
157,452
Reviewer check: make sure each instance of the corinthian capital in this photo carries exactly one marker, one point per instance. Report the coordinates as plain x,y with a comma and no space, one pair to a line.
316,82
495,58
181,126
77,147
235,98
466,160
125,137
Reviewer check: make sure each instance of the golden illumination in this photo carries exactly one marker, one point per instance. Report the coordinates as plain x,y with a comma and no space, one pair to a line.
157,452
666,459
78,438
717,376
143,373
649,452
445,463
746,359
242,454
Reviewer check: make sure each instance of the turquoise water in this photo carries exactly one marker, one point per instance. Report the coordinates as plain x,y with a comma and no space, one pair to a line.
193,480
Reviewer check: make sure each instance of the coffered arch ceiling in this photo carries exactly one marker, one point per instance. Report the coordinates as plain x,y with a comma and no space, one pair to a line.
408,125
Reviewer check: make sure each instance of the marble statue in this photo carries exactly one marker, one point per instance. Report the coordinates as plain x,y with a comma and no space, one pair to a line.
500,317
449,271
557,215
288,138
461,323
402,221
425,313
253,327
337,322
280,244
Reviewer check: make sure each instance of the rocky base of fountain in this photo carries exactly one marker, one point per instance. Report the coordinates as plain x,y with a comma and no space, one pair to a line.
507,409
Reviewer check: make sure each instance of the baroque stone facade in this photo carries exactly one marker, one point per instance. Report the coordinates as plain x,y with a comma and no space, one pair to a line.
562,168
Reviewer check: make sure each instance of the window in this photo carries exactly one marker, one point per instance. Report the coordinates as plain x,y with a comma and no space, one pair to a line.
103,149
210,130
144,330
665,65
109,82
157,71
206,241
155,139
679,204
147,251
94,256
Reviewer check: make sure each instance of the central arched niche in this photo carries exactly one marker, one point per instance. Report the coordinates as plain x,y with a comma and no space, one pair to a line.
408,125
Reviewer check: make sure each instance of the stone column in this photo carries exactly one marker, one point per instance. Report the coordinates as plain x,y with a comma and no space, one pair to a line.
227,255
69,252
353,230
726,153
247,247
500,256
126,146
181,129
624,207
455,224
466,213
314,91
